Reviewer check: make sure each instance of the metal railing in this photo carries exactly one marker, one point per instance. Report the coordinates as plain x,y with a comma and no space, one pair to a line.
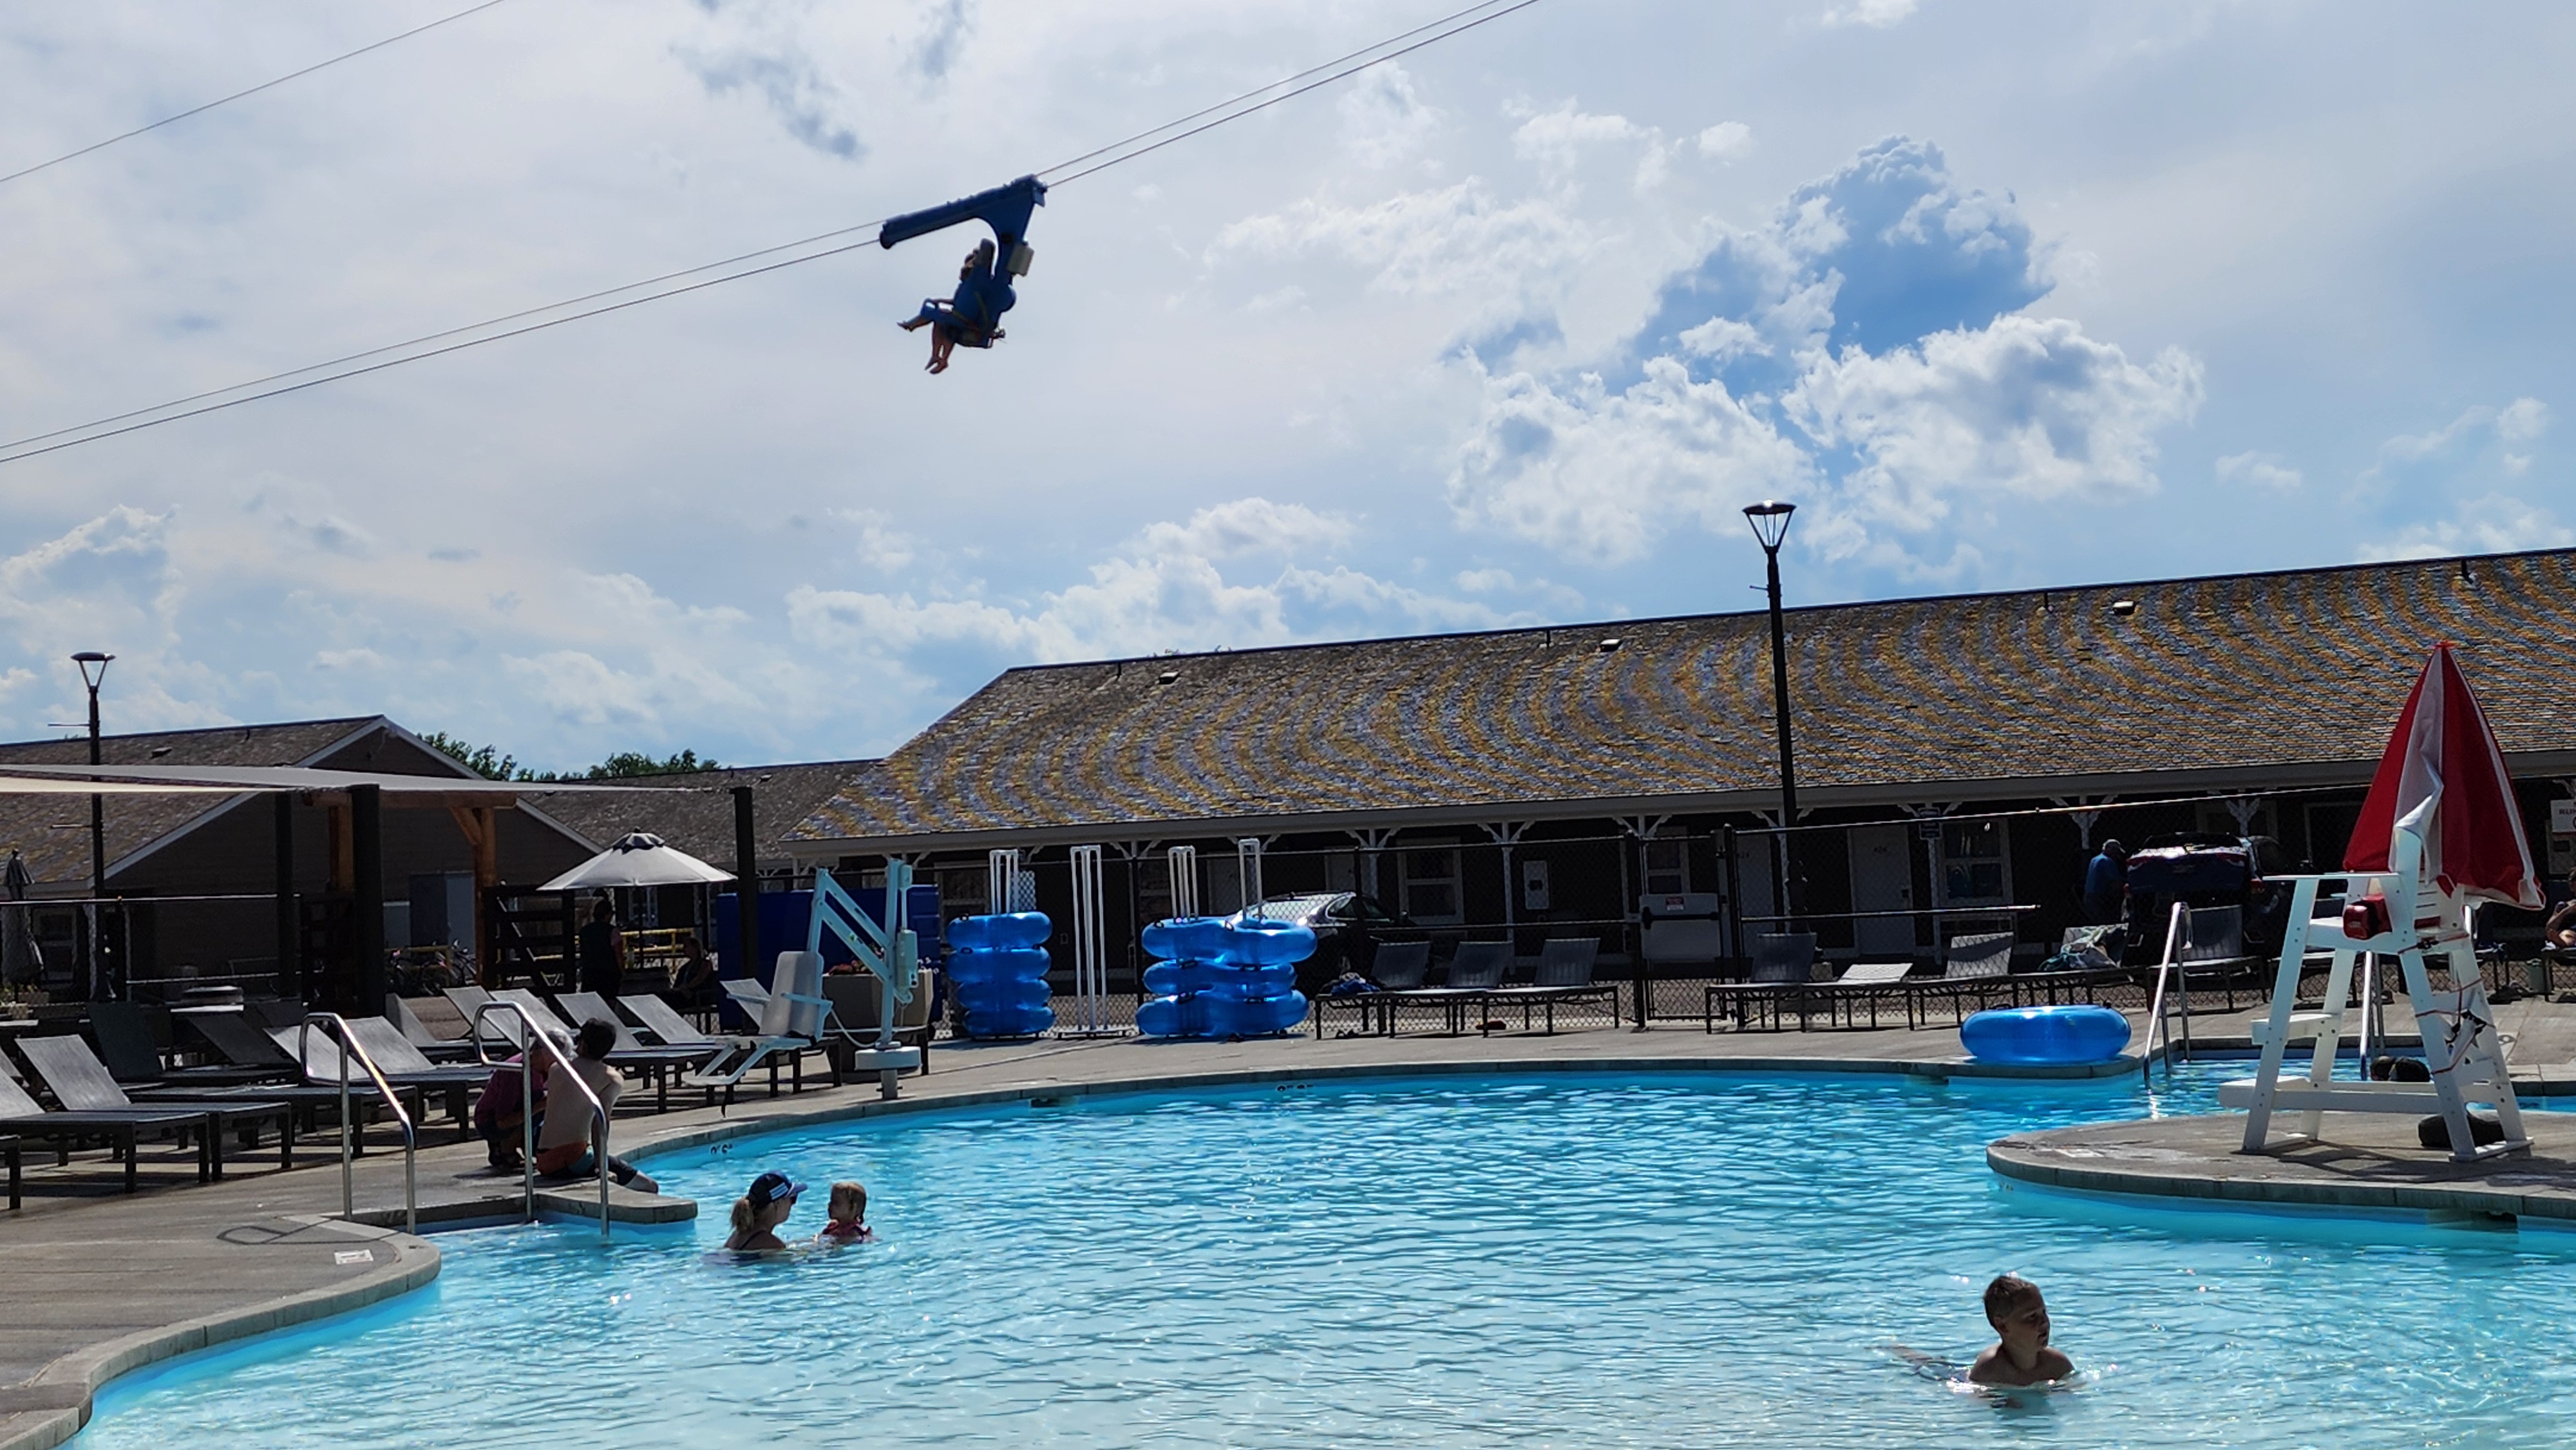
530,1036
2177,928
350,1047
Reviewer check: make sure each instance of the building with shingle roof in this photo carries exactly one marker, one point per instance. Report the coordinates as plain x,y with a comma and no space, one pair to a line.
2272,692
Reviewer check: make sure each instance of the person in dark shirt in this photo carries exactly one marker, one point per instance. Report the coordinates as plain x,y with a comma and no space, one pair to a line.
2106,885
602,952
974,315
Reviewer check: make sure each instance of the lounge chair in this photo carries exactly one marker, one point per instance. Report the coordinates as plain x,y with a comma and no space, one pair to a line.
1563,975
80,1082
537,1010
657,1063
1781,961
406,1070
133,1055
1477,969
1979,964
500,1029
9,1150
791,1025
1871,983
1398,967
20,1114
433,1025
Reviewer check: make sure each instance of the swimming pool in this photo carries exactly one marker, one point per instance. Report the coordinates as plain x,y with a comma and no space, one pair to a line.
1565,1260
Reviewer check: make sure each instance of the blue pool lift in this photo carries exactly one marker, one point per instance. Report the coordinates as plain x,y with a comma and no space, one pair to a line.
973,316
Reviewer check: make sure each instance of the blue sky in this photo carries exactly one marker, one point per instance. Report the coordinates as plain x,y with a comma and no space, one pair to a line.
2002,295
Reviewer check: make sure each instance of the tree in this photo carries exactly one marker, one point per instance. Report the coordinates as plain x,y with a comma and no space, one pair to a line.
488,761
484,760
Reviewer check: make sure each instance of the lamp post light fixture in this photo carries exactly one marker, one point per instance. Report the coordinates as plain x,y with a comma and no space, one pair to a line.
93,668
1770,521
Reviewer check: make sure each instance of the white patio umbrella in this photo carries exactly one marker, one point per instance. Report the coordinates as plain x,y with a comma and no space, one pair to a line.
638,859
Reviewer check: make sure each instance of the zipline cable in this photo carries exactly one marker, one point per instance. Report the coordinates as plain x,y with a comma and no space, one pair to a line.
238,95
1261,90
417,349
1125,157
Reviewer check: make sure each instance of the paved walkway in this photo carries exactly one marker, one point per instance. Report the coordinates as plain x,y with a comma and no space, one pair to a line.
99,1283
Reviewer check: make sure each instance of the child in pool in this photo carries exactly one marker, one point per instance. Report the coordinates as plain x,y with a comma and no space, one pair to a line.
849,1216
2021,1354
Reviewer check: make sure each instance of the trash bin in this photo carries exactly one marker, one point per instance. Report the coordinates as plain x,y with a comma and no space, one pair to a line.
2535,976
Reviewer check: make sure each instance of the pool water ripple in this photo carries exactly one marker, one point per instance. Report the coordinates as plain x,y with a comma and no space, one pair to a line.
1574,1262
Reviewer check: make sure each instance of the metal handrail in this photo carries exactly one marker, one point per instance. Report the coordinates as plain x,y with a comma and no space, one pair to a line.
339,1029
2156,1009
530,1032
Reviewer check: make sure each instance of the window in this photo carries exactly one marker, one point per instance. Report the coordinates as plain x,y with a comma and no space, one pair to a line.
1667,868
1972,864
1430,884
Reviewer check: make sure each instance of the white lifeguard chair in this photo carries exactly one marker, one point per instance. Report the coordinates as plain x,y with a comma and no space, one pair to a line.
2438,834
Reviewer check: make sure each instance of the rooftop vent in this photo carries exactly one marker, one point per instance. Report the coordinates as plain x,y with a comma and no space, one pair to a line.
1166,677
1611,645
2124,607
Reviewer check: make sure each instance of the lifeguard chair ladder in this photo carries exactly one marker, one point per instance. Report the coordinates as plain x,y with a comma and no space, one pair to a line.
2460,1041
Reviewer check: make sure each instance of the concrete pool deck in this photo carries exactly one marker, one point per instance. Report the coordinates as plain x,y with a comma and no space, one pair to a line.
99,1283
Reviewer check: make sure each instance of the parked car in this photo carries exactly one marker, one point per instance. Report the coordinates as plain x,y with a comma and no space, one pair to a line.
1347,928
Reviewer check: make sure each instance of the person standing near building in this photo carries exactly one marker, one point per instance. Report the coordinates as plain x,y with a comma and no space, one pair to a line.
602,952
2106,885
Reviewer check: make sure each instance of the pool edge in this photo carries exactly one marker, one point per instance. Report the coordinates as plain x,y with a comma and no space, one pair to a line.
84,1372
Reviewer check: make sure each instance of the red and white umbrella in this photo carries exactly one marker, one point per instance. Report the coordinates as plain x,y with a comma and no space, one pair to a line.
2443,779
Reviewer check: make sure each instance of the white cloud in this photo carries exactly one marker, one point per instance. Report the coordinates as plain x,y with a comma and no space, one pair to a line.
1876,14
2258,470
1601,476
1454,239
2411,463
2495,524
1727,141
1384,119
2022,407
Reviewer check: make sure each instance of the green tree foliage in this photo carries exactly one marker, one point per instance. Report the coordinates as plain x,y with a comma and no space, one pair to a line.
488,761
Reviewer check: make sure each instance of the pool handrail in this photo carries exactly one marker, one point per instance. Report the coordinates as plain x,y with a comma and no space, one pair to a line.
530,1032
338,1027
2175,925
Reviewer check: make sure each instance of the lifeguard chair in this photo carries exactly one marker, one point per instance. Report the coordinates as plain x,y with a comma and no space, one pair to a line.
2438,835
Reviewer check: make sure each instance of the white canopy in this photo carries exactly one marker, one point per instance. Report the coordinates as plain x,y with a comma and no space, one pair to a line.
638,859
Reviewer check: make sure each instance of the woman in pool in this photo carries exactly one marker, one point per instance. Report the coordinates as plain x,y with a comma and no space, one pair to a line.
759,1212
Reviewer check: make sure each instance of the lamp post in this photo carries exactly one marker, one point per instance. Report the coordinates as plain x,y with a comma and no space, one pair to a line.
1770,521
93,668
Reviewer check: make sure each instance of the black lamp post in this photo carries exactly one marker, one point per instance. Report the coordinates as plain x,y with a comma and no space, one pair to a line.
93,668
1770,521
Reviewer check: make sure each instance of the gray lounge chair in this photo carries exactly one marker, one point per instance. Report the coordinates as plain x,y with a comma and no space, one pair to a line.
1782,961
81,1083
1399,967
1869,983
133,1055
433,1025
121,1131
657,1063
1979,964
411,1075
1563,975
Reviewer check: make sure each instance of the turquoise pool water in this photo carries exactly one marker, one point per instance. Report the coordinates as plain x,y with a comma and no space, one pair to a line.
1568,1261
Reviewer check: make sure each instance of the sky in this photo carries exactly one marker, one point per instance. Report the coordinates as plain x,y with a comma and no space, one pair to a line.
1506,332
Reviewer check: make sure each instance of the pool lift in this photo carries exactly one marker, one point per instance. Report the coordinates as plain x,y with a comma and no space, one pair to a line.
2439,834
797,1016
972,316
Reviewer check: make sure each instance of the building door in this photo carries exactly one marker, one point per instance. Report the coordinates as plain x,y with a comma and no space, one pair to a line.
1882,876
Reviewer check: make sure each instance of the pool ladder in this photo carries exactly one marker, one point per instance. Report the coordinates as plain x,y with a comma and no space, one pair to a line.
338,1027
2177,931
529,1033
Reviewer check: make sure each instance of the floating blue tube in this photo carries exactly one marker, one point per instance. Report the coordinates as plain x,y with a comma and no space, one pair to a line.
1223,979
2045,1036
1000,933
1188,939
1269,943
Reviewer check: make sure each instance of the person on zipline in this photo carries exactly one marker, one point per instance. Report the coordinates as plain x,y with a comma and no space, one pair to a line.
974,315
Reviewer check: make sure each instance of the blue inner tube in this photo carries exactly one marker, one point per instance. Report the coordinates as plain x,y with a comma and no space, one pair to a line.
2045,1036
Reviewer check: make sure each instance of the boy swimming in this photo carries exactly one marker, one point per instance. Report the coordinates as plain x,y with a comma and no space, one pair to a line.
2020,1355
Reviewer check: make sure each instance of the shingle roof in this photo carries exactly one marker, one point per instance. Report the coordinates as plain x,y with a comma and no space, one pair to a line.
53,831
700,820
2268,670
